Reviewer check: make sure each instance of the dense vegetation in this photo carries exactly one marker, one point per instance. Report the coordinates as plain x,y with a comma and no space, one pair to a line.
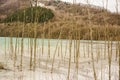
32,14
52,30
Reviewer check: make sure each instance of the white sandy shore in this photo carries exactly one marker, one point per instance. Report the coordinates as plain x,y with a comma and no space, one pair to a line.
60,70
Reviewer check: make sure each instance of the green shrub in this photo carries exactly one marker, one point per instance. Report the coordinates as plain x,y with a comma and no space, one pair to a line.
31,14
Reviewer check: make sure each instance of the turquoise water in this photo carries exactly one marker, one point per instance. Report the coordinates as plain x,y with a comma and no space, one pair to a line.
53,42
5,42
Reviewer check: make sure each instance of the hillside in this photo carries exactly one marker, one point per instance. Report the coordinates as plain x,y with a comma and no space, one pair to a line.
9,6
95,14
70,20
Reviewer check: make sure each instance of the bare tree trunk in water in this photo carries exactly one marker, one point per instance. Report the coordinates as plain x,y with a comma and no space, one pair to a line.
119,59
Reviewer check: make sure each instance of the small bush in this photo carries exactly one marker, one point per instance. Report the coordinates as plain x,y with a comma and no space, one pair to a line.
32,14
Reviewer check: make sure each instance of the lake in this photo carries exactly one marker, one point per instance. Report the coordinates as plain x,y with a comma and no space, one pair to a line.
54,55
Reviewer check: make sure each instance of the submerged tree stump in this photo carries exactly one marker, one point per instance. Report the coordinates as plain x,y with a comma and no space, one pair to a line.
1,66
